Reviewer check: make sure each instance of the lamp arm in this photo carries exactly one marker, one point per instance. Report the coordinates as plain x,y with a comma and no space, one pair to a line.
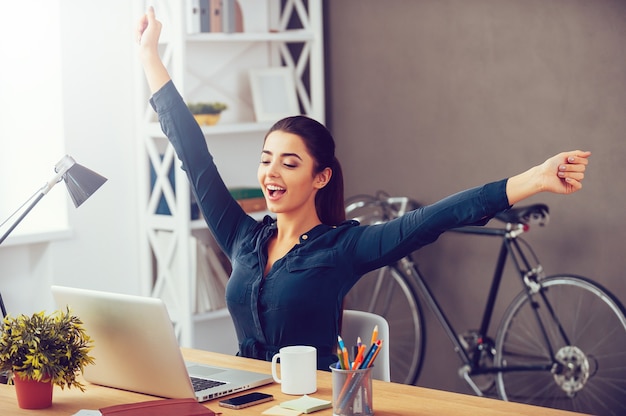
25,213
44,189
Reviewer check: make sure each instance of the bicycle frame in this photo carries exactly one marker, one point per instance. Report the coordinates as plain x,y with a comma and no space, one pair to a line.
510,247
559,342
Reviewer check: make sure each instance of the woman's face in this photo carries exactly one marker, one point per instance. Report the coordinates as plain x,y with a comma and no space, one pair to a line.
286,174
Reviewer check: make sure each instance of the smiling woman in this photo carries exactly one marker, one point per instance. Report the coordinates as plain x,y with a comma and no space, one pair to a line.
30,114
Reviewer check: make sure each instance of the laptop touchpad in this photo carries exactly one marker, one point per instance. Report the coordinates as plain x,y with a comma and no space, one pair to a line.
199,370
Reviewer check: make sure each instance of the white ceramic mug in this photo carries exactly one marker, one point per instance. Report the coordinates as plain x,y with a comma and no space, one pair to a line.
298,369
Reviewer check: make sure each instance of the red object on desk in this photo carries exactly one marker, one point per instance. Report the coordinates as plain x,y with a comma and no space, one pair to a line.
164,407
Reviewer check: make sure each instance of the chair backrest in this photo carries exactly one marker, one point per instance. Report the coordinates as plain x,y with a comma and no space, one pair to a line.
361,324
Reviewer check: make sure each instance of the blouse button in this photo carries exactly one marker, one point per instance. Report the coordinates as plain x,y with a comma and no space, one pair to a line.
304,236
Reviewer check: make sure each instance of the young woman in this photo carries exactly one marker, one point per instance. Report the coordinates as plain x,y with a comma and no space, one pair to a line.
290,274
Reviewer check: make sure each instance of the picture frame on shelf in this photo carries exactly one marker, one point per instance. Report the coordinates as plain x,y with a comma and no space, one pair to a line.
273,93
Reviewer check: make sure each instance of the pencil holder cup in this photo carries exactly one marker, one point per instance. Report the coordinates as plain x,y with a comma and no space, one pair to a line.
352,392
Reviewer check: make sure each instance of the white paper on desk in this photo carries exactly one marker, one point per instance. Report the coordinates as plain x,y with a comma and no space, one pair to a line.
86,412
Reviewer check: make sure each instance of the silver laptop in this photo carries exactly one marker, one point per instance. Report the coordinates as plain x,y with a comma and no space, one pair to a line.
135,348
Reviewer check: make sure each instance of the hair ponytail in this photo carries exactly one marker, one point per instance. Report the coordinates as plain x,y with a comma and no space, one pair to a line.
329,202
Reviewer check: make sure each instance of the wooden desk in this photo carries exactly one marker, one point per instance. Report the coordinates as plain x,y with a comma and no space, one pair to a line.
389,398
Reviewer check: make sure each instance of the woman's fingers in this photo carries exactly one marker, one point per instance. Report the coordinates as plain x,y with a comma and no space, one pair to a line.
150,15
579,158
141,27
573,170
146,21
568,168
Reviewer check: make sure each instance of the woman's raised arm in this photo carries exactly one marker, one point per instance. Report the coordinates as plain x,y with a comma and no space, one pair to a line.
147,35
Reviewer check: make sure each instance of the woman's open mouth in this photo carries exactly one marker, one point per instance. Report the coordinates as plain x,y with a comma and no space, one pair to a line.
275,192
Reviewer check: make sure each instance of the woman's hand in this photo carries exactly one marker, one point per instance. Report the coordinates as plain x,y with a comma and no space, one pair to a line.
148,30
147,36
561,174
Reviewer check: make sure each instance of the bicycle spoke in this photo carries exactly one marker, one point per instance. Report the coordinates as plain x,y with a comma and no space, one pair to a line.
588,373
387,294
376,295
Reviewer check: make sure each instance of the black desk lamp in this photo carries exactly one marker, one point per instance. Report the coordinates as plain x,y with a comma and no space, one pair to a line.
81,183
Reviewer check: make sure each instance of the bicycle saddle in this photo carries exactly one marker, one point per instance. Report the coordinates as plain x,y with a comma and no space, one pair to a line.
531,214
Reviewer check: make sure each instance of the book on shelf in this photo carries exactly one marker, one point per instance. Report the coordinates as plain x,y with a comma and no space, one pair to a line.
211,276
205,19
215,15
249,198
228,16
245,192
192,8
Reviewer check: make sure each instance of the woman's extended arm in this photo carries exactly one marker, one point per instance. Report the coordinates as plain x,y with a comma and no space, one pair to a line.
561,174
189,143
147,35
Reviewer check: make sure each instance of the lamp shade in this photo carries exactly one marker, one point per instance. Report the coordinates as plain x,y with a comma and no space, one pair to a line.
81,183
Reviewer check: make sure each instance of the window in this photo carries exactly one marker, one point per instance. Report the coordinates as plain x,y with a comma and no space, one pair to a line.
31,117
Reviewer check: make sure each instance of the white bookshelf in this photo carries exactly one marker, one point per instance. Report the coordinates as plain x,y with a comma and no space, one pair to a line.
214,67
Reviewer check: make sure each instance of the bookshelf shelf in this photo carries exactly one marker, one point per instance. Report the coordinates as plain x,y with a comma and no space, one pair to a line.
298,35
154,129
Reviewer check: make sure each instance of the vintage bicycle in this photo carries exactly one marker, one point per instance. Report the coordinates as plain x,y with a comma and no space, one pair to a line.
561,342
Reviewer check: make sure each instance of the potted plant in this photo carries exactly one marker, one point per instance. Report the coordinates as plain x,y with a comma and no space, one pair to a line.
41,351
207,113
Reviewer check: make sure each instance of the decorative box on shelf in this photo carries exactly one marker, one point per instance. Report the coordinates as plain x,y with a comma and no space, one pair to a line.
250,199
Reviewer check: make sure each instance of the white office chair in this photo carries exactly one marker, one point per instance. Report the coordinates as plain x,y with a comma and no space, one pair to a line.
360,324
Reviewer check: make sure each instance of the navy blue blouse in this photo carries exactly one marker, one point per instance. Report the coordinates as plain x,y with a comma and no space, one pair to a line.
299,301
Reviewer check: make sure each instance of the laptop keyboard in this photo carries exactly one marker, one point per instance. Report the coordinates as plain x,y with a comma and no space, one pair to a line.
200,384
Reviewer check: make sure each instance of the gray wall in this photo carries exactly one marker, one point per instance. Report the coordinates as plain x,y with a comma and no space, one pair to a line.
428,97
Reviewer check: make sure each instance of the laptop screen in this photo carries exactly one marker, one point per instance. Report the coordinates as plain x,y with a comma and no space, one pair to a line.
135,347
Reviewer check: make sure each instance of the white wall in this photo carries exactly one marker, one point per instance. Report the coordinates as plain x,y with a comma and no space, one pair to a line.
35,135
98,73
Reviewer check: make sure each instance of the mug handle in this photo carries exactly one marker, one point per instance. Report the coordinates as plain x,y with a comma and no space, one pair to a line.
274,374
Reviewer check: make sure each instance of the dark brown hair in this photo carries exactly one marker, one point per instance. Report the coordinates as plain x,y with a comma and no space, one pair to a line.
329,202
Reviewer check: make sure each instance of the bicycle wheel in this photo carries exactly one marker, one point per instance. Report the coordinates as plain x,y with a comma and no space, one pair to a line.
587,365
387,293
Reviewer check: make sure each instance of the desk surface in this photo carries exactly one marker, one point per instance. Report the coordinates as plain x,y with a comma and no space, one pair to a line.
389,398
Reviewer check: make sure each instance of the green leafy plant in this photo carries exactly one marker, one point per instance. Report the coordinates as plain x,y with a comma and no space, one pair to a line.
207,108
46,347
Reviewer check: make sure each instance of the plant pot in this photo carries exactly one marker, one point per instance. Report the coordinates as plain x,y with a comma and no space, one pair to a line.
207,119
32,394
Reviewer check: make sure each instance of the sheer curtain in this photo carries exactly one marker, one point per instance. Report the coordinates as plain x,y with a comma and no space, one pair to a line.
31,122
